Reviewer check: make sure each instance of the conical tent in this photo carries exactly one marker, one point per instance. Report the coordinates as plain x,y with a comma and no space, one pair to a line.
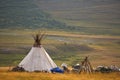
37,59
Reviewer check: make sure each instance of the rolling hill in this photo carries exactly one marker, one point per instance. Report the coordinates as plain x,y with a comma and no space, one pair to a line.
65,21
83,16
91,16
17,14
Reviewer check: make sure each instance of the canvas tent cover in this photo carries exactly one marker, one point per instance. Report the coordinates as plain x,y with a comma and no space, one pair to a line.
37,60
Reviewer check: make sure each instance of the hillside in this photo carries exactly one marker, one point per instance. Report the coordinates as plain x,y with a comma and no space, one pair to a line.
83,16
17,14
61,46
91,16
68,25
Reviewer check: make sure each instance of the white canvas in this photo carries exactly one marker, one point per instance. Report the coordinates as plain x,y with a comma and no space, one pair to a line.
37,60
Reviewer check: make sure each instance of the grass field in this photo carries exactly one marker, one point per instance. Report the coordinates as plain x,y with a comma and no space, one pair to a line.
67,47
6,75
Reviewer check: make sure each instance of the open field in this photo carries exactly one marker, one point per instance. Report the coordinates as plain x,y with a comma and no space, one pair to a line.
6,75
67,47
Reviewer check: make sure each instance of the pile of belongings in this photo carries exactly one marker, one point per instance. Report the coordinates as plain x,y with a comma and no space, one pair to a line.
17,68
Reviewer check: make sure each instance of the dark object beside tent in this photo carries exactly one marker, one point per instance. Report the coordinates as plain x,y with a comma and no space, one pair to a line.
17,68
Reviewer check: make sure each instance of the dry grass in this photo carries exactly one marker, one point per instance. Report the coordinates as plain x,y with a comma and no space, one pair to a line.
5,75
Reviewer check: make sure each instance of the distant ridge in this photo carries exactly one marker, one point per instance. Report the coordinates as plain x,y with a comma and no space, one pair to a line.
25,14
91,16
83,16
